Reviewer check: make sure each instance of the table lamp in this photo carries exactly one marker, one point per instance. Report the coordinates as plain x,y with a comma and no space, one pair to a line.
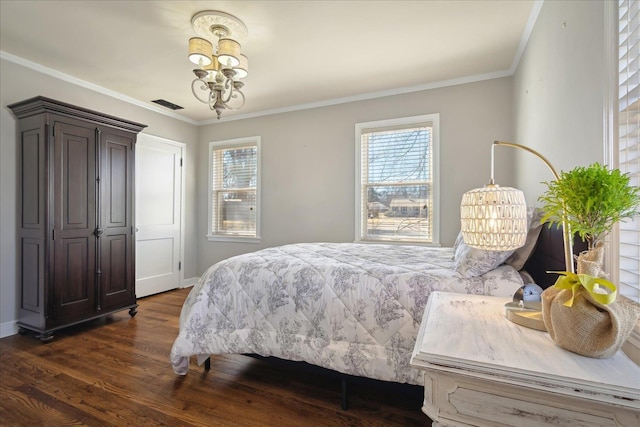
495,218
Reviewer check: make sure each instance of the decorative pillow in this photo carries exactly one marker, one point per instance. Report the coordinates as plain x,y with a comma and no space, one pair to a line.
456,245
472,262
521,255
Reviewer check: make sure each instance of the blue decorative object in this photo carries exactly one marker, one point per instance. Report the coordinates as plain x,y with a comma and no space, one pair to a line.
528,293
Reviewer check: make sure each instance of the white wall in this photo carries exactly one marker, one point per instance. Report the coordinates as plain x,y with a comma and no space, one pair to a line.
308,161
18,83
559,92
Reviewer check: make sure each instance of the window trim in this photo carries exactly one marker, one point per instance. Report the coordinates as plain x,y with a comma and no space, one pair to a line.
434,119
231,143
612,142
610,128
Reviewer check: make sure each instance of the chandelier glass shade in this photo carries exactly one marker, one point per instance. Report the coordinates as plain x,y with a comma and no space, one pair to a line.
220,64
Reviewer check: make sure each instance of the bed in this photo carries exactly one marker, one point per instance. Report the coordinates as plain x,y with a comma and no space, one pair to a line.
352,308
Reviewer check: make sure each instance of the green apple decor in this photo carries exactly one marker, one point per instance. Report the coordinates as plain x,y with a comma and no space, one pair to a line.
581,311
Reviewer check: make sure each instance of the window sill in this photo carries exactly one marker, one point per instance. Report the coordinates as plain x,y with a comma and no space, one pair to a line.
233,239
399,242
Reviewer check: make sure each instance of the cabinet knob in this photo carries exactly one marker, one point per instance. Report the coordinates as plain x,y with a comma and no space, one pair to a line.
98,232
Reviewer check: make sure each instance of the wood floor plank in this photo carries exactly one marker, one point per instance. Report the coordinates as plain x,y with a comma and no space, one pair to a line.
115,371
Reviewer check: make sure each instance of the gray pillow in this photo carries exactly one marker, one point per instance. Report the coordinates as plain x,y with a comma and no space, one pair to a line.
456,245
472,262
521,255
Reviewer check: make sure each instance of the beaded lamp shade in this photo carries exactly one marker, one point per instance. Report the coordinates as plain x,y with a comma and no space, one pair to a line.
494,218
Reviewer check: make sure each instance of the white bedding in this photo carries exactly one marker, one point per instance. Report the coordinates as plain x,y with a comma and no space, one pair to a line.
353,308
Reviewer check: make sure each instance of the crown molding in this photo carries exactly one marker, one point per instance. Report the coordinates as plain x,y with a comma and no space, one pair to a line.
88,85
364,96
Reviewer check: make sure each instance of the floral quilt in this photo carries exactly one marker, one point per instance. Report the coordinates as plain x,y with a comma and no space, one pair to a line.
353,308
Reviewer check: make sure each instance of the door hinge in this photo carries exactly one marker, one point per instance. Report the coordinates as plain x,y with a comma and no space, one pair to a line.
53,234
179,265
180,161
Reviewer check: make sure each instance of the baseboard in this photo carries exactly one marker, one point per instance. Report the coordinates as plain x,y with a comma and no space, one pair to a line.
187,283
8,328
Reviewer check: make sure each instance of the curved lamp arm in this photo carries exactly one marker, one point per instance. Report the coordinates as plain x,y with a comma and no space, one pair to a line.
566,231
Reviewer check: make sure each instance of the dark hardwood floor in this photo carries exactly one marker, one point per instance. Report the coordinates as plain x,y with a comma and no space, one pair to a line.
115,371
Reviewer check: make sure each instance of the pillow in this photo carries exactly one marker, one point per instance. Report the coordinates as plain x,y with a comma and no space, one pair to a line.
521,255
472,262
456,245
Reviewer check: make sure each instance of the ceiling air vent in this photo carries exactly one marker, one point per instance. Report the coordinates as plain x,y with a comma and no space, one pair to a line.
167,104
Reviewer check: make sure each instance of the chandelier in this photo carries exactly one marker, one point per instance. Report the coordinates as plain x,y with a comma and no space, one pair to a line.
219,63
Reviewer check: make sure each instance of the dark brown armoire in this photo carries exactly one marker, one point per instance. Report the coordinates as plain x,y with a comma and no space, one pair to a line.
76,231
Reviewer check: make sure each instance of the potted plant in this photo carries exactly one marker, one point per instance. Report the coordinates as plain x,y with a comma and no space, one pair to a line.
594,199
580,311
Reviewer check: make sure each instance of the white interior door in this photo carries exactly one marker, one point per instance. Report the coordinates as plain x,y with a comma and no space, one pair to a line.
159,233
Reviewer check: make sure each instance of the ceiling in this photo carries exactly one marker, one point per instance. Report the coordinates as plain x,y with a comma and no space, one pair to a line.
301,53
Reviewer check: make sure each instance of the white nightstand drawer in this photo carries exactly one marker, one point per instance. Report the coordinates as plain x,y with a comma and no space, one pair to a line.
456,401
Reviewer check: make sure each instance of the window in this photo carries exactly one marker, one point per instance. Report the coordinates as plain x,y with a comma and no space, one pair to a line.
628,146
397,180
234,183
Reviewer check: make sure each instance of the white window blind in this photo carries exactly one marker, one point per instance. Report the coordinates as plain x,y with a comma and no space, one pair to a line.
233,192
628,140
396,177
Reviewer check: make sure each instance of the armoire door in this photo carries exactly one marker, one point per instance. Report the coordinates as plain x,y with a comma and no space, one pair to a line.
74,222
116,242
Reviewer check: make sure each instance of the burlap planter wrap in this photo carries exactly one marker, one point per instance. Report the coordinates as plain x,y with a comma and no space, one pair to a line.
590,262
588,327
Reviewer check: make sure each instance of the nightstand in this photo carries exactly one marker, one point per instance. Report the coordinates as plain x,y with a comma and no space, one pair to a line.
482,370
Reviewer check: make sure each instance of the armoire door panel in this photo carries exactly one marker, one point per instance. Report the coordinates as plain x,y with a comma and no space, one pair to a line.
75,164
117,176
74,271
32,275
74,279
32,167
117,278
75,158
74,221
76,181
115,263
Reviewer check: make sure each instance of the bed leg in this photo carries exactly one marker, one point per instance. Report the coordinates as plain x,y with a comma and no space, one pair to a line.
343,397
207,364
